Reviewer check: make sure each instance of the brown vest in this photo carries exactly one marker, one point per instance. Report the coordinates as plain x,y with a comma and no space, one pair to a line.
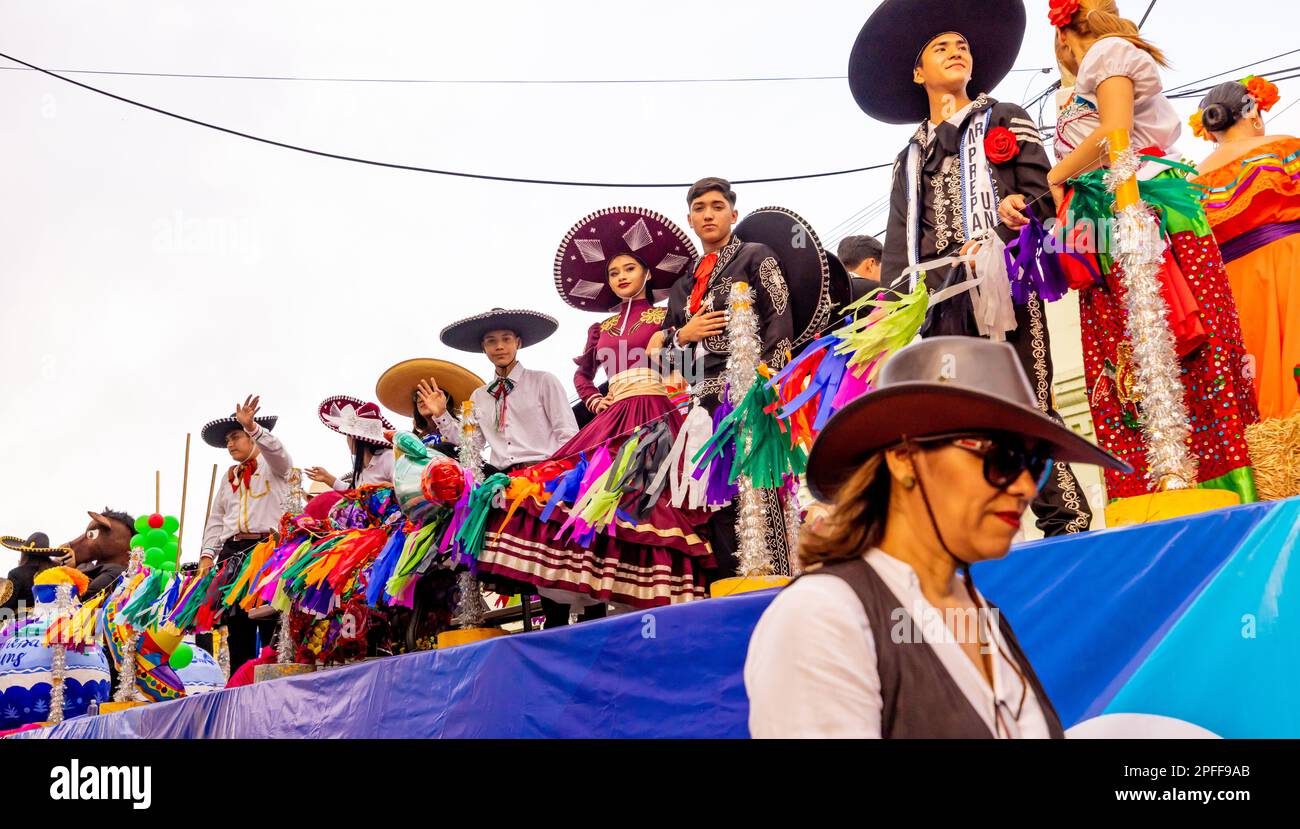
921,700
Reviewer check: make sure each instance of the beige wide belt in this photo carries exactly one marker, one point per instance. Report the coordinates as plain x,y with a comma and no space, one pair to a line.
636,382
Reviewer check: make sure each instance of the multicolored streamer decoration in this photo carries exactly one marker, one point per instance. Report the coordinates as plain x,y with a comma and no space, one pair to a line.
843,365
1031,266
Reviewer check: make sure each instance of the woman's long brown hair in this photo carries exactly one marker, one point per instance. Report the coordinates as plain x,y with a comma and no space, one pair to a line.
857,518
1101,18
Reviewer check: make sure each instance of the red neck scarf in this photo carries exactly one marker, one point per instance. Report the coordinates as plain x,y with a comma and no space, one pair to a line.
242,474
703,271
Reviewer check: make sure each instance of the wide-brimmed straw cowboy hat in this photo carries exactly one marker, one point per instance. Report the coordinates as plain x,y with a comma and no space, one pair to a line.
397,385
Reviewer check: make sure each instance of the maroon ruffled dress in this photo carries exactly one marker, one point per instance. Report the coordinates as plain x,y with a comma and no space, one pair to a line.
657,559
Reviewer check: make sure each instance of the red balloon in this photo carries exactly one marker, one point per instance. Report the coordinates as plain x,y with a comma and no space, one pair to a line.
442,482
156,521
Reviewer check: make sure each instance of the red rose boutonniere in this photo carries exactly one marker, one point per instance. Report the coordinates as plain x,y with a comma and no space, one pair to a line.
1000,145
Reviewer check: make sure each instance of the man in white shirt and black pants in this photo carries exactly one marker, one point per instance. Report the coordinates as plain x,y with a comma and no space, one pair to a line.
524,414
249,501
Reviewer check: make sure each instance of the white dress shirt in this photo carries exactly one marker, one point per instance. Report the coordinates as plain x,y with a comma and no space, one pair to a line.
255,508
379,470
539,419
811,668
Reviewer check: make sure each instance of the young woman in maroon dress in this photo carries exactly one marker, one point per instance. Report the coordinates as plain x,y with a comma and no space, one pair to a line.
614,261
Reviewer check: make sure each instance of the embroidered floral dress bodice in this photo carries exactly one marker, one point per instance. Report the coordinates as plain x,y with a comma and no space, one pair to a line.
617,344
625,336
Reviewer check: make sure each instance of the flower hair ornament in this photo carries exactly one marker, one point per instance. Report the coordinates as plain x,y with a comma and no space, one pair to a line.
1262,91
1260,96
1061,12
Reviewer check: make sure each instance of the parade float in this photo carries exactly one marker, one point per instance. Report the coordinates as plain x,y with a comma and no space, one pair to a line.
51,666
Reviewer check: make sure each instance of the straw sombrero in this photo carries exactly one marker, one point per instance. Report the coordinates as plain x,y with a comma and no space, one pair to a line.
397,385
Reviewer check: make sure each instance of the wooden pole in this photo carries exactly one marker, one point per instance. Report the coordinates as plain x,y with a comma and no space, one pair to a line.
212,487
185,489
157,491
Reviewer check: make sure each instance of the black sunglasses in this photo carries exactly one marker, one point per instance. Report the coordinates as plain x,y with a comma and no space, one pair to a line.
1005,458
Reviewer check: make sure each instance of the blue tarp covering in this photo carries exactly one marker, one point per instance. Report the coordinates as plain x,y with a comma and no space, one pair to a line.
1089,610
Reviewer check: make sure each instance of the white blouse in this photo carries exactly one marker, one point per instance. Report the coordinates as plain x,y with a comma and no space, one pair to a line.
1155,123
811,668
379,470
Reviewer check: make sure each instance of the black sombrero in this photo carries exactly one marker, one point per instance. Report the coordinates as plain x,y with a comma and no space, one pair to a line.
887,48
214,433
467,334
940,386
37,544
581,263
803,262
840,286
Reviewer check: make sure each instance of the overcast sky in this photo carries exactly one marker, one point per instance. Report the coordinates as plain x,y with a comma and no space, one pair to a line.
154,271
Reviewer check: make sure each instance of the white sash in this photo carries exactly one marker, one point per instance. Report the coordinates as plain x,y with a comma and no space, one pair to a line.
994,312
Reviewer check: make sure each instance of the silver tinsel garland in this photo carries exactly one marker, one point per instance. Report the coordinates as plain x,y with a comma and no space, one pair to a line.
755,559
59,654
126,688
470,606
295,500
1122,168
1140,251
284,649
470,451
223,651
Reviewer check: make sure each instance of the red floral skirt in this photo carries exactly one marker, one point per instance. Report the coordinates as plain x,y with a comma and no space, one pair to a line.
1215,374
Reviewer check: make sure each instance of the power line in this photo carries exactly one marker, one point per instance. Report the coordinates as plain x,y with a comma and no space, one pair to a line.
453,81
1228,72
850,227
1276,76
857,227
413,168
845,223
1273,118
1143,21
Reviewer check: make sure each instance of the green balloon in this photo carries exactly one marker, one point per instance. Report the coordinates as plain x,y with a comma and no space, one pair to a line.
154,557
142,524
170,524
137,542
171,546
181,657
167,565
156,538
